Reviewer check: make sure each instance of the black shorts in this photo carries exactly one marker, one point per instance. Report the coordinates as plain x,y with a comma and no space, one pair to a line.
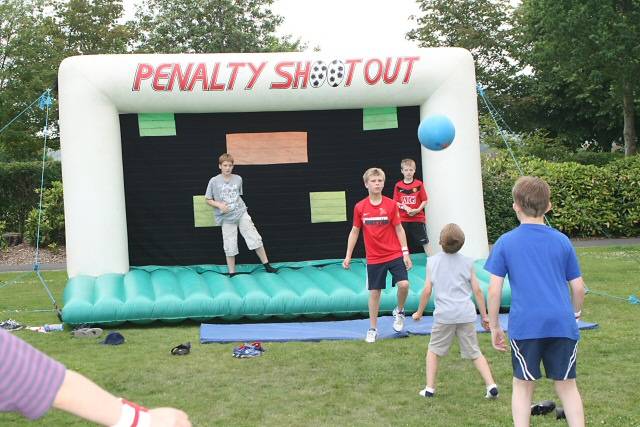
558,355
417,231
377,273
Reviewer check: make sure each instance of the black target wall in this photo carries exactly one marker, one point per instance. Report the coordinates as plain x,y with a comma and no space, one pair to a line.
162,174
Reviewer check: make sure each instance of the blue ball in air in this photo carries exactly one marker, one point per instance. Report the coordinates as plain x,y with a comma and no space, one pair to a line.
436,132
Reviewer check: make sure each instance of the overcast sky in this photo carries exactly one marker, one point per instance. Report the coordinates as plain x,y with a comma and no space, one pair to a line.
335,25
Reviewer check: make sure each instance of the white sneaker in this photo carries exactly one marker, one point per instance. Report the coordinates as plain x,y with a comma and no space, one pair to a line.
426,392
398,320
492,392
372,334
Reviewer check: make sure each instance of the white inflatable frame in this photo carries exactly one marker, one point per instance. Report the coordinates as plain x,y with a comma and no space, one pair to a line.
94,90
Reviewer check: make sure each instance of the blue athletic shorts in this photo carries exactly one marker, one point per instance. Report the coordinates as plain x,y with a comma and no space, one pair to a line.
377,273
558,355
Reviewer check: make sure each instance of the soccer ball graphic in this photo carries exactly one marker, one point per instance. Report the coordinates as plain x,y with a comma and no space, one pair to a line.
335,73
318,74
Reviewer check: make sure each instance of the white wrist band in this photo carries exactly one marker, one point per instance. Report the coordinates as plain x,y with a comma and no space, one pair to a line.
133,415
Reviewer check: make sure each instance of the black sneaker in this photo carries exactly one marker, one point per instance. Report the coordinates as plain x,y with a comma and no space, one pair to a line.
269,268
543,408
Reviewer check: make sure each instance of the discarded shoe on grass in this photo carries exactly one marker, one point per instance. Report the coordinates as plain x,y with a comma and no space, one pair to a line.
11,325
86,333
181,349
543,408
245,351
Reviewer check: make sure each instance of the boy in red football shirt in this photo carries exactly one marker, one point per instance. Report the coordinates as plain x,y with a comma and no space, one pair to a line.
411,197
385,245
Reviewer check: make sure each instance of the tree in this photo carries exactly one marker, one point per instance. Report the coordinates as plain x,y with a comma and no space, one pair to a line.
586,52
29,55
92,27
484,27
210,26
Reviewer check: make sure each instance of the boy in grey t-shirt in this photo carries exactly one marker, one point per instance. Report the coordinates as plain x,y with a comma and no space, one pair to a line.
223,193
451,276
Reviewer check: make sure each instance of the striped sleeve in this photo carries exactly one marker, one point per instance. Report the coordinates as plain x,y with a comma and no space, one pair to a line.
29,379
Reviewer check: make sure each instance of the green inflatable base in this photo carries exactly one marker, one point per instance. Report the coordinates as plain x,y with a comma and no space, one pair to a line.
311,289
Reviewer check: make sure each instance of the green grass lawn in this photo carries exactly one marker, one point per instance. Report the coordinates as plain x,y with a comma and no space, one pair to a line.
341,382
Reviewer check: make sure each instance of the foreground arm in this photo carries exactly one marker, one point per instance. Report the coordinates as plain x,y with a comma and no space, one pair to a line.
82,397
577,295
351,243
498,338
424,299
477,292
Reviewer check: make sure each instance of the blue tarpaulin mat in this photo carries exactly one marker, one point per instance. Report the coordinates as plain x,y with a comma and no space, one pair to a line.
317,331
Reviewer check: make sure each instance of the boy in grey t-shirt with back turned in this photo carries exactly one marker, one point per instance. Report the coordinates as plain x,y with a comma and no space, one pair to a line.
223,193
453,280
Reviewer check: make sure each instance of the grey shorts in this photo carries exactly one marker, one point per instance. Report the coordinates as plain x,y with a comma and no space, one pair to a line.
442,337
248,231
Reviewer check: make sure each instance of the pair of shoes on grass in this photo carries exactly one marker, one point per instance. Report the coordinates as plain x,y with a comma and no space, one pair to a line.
492,392
547,406
245,351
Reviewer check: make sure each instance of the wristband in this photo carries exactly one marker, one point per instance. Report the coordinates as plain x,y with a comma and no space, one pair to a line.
577,314
133,415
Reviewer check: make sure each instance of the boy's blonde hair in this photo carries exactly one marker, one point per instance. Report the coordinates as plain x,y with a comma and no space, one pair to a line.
226,157
532,195
407,162
451,238
372,172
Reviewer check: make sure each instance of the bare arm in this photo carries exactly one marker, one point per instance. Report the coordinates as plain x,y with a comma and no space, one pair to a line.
577,295
220,205
477,292
403,242
498,338
351,243
413,212
82,397
424,299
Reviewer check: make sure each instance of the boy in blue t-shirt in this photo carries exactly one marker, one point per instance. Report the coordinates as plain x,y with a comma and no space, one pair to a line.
539,261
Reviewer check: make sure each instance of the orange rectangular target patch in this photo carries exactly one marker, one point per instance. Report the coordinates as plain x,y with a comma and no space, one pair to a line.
269,148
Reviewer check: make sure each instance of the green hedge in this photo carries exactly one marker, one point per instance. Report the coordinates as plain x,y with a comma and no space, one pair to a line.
51,218
18,184
587,200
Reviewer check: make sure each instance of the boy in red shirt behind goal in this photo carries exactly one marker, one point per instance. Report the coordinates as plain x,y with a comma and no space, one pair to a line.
410,195
385,246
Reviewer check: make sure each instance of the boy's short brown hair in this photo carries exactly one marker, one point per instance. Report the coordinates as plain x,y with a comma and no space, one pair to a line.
407,162
371,172
451,238
532,195
226,157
